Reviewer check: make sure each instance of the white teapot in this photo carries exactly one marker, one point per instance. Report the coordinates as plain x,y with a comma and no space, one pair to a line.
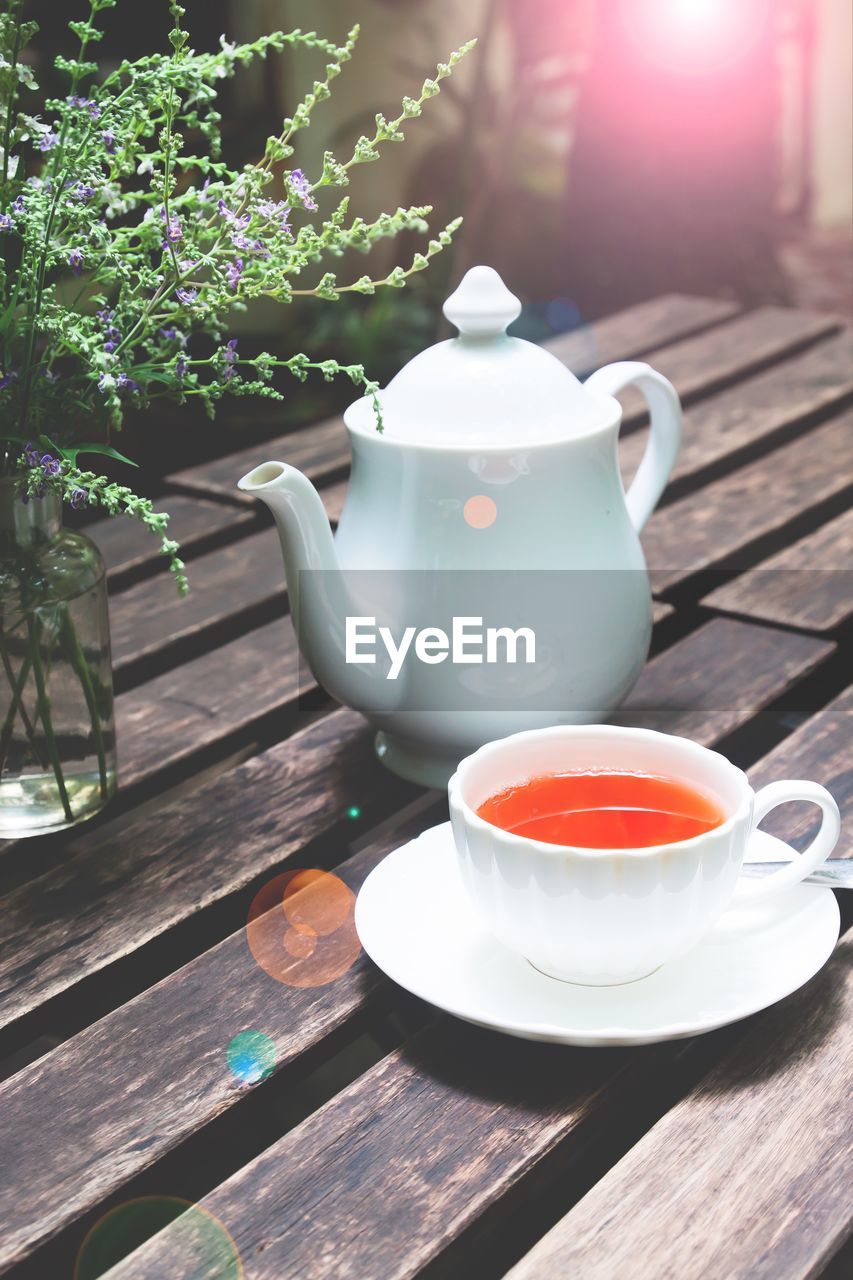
491,496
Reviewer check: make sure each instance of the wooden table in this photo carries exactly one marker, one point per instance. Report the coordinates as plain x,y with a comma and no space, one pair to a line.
391,1141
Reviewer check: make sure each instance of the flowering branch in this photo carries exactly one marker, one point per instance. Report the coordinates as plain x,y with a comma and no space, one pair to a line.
167,244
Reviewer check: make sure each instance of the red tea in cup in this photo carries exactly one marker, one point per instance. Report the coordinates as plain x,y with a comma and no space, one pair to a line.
603,810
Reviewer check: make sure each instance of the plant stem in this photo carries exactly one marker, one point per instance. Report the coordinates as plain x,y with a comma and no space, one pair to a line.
35,629
16,703
81,667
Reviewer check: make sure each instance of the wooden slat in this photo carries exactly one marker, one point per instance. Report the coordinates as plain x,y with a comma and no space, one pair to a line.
757,410
704,686
717,678
225,584
819,749
809,584
126,545
429,1139
142,874
195,706
104,1138
705,364
748,1177
633,333
711,527
173,856
319,451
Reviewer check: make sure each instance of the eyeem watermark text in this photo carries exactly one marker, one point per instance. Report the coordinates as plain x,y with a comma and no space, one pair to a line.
468,642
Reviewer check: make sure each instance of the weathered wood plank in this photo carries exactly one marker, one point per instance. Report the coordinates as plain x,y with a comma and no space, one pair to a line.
697,687
705,364
151,617
633,333
126,546
819,749
755,411
126,883
710,528
172,1102
196,705
436,1133
748,1177
809,584
323,449
704,686
103,1139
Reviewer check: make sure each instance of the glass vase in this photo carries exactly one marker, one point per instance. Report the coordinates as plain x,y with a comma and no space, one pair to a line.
57,737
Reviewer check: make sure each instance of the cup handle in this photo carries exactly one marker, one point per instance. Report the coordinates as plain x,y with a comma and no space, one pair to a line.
821,847
664,435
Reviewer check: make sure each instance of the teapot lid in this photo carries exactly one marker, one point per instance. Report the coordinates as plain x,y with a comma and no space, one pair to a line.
483,388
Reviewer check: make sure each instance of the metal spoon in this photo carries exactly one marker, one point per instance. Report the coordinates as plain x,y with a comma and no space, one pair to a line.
837,873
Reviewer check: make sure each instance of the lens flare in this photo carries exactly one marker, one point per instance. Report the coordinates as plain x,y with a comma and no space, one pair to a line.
251,1056
694,36
480,512
301,928
199,1244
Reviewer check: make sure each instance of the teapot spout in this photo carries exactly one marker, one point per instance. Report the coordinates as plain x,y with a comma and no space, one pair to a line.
301,520
318,589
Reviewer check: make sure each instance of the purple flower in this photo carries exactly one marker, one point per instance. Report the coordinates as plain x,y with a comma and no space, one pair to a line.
6,222
272,209
109,347
109,141
89,104
188,296
83,192
106,317
7,379
75,260
229,356
174,231
202,195
234,271
18,204
31,454
50,466
78,498
49,140
238,222
301,188
124,383
174,335
181,366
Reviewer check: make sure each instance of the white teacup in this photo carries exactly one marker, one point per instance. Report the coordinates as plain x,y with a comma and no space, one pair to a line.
603,916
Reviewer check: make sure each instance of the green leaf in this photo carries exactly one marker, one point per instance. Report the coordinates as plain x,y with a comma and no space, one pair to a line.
105,450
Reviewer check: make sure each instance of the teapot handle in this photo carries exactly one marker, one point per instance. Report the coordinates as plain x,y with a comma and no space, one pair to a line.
665,409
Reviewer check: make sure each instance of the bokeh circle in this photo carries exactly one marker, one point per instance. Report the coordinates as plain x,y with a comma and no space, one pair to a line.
199,1244
251,1056
301,928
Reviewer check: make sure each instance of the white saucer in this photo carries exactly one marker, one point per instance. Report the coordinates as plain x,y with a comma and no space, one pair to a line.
415,922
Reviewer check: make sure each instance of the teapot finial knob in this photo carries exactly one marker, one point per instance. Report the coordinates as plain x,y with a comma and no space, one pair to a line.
482,305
